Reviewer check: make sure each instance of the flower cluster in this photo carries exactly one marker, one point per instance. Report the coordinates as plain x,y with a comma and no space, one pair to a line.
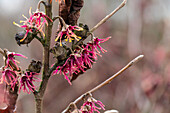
34,23
12,75
89,106
68,34
82,58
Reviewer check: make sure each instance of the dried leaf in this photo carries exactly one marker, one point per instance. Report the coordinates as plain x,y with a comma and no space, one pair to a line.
69,10
75,11
64,10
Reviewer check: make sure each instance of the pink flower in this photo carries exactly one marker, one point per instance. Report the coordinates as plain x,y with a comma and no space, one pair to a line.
82,59
63,70
26,82
90,106
73,63
9,77
96,45
88,56
34,23
37,17
11,57
68,34
28,25
76,61
97,41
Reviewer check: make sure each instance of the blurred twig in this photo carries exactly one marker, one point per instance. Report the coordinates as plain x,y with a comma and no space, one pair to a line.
118,73
39,3
61,20
108,16
106,81
103,21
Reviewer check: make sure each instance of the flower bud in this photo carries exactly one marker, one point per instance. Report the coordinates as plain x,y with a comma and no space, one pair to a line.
19,38
84,32
35,66
59,52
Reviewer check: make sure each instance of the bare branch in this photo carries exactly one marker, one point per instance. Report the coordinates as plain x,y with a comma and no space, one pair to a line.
118,73
46,58
108,16
61,20
108,80
39,3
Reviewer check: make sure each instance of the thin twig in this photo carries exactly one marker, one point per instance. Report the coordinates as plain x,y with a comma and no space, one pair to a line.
39,3
118,73
112,77
61,19
108,16
108,80
103,21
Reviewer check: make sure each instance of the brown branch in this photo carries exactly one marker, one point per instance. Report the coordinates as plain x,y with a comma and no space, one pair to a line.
39,3
103,21
118,73
46,51
61,20
46,55
108,16
106,81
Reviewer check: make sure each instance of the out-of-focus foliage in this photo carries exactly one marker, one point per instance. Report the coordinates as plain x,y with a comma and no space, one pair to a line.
141,27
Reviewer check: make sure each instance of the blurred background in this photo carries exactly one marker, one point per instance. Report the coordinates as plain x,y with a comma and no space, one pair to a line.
141,27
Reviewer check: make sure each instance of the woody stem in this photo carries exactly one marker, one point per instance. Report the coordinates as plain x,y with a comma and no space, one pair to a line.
46,54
